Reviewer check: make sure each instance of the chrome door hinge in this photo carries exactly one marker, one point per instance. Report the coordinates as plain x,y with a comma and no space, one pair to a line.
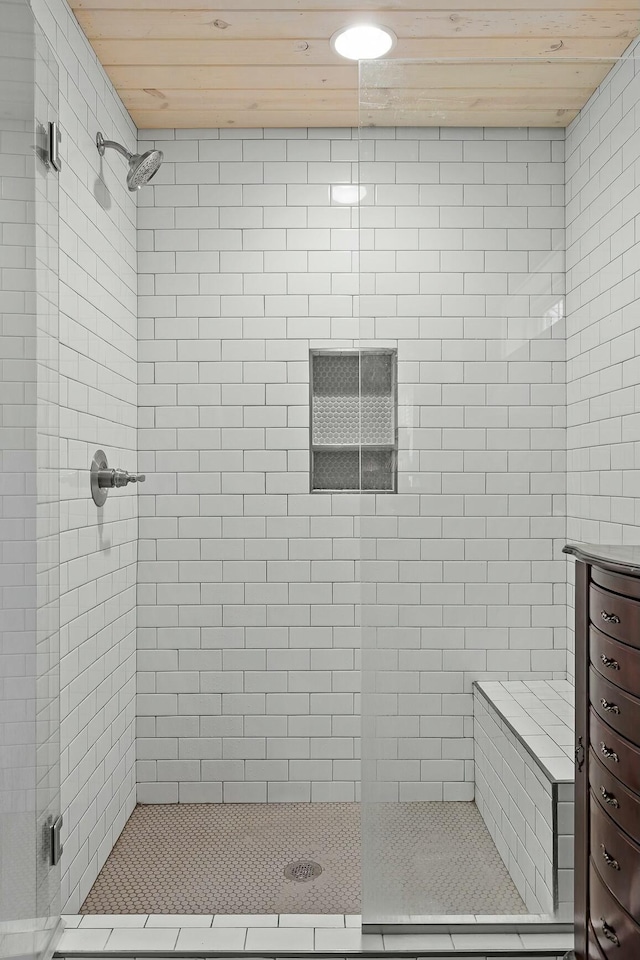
53,146
55,845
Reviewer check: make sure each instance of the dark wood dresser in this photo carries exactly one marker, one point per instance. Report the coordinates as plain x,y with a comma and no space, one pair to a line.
607,851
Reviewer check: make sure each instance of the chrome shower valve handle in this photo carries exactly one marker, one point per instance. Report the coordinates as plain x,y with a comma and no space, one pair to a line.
118,478
105,478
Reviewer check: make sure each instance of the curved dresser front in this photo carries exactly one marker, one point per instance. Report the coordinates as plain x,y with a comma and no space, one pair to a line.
607,829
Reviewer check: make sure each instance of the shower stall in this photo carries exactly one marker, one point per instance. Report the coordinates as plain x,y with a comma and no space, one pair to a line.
327,638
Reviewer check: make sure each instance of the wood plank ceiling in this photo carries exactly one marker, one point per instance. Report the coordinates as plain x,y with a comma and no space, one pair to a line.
268,63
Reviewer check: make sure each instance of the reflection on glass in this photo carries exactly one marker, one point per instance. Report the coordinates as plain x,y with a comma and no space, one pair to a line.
467,672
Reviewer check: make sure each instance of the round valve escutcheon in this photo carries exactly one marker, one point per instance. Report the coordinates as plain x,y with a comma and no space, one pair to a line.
105,478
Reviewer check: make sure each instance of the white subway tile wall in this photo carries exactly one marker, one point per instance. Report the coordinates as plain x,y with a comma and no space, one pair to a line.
98,408
248,584
603,328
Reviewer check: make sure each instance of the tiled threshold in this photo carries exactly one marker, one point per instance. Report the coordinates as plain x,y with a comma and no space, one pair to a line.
143,935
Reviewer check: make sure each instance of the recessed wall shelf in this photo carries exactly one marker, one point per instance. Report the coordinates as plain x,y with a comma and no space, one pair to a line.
353,421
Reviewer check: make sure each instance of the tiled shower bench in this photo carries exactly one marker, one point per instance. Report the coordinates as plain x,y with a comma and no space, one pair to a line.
524,771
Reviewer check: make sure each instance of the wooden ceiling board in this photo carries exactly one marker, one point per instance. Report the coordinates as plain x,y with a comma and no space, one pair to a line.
433,78
191,63
213,118
321,24
375,99
360,6
305,53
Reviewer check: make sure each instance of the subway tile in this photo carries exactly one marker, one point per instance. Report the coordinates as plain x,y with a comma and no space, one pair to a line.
217,938
281,938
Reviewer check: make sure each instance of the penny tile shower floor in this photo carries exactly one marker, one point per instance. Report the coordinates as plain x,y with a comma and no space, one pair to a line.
230,858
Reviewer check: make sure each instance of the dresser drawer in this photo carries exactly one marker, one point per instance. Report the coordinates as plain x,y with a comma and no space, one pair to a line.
616,582
617,860
616,616
617,662
621,804
615,753
616,933
617,708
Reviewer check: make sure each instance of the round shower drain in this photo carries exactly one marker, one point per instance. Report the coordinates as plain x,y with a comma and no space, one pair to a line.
302,870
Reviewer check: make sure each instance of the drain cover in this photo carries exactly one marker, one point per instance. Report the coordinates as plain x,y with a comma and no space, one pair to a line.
302,870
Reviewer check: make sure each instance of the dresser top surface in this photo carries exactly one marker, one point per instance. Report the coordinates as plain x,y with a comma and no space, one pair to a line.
621,559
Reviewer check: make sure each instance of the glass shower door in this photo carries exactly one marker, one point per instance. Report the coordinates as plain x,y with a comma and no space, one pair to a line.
462,272
30,499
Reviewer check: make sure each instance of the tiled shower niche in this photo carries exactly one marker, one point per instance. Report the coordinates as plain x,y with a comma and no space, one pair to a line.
353,420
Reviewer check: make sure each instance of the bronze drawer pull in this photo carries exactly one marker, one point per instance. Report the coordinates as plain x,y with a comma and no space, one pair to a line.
608,752
609,932
609,662
609,617
609,707
608,859
609,798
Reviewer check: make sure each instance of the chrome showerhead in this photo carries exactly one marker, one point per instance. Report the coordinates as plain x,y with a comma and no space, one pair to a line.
142,166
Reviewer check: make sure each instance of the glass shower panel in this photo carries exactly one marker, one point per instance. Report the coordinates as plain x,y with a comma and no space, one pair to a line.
462,272
30,503
47,485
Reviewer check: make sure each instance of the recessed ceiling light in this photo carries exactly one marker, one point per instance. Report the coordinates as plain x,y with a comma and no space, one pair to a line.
363,41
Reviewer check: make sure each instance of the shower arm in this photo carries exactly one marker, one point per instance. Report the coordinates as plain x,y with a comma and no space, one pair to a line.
102,145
